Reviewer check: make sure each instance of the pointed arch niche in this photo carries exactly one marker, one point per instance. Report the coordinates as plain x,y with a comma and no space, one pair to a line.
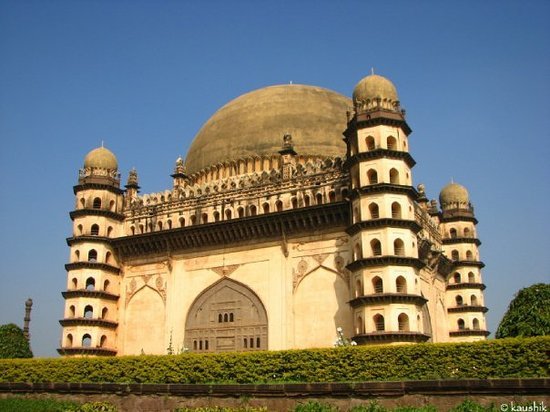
320,306
145,320
227,316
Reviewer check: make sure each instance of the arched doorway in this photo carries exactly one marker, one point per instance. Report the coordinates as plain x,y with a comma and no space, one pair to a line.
227,316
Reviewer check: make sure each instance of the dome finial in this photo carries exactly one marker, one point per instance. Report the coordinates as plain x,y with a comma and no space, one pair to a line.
372,71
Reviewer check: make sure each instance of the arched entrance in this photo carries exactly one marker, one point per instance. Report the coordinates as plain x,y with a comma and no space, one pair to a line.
227,316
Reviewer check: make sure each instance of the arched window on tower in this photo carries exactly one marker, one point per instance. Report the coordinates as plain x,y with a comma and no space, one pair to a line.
459,301
454,255
471,277
88,312
475,324
371,145
379,323
452,232
473,300
469,255
204,218
401,284
265,207
460,324
279,206
372,176
82,203
112,205
108,257
456,277
394,176
240,212
294,202
216,216
109,231
103,341
92,255
374,211
90,284
72,311
359,326
169,223
94,230
377,285
403,322
86,341
182,221
253,211
392,143
104,312
75,283
79,227
159,225
193,219
357,252
395,210
467,232
376,247
97,203
106,285
398,247
69,341
358,288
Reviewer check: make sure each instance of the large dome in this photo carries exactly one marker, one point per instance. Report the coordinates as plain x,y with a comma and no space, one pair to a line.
254,124
102,158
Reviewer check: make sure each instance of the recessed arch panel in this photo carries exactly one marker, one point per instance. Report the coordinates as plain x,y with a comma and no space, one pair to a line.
225,316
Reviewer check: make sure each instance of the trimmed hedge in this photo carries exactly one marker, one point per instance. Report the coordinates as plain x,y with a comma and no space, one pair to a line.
503,358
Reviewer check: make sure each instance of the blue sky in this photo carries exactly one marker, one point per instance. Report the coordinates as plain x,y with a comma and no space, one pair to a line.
145,75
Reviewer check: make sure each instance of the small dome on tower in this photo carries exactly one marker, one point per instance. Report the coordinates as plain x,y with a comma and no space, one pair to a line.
454,195
373,87
101,158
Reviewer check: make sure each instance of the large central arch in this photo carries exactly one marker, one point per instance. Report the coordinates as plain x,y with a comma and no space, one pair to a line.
227,316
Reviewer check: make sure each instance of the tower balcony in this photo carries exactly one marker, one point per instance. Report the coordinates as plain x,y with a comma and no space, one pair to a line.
385,260
466,285
468,332
390,337
387,298
87,238
467,308
96,212
474,263
412,225
103,323
456,240
94,294
92,265
86,350
380,153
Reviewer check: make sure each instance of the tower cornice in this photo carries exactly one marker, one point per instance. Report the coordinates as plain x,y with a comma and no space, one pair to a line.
380,153
381,223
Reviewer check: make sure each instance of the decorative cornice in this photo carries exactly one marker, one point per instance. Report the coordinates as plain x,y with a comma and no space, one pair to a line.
476,263
389,337
97,186
456,240
378,117
459,215
96,212
455,286
469,332
82,350
466,308
380,154
92,265
385,261
93,294
87,238
241,231
103,323
378,188
388,298
380,223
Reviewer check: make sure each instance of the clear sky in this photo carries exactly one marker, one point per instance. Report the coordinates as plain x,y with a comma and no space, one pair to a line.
143,76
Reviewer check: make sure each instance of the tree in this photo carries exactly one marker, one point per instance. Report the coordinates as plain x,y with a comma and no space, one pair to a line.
528,313
13,343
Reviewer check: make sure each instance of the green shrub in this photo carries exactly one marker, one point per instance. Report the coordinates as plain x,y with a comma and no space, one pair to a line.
19,404
503,358
315,407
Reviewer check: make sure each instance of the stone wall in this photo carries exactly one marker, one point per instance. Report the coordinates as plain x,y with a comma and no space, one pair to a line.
443,394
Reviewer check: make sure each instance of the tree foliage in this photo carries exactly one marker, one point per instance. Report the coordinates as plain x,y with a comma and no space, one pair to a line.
528,313
13,343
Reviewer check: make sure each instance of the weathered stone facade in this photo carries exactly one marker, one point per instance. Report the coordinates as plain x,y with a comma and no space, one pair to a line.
274,247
